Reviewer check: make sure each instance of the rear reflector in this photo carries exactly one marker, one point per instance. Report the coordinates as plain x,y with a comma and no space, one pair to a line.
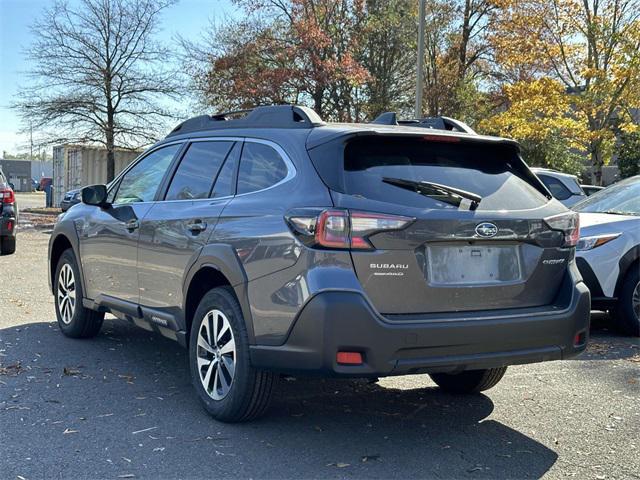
349,358
580,339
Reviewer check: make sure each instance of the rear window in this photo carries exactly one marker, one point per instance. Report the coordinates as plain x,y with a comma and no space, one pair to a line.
493,172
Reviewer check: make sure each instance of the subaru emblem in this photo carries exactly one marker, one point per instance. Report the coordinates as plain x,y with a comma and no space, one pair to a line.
486,230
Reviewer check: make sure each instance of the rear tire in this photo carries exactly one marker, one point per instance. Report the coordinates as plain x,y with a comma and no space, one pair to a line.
7,245
626,313
74,319
470,381
230,389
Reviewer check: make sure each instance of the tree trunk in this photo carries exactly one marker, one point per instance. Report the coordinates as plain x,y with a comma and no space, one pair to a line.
597,162
111,157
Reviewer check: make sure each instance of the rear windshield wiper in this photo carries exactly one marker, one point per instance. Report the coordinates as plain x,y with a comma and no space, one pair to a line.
430,188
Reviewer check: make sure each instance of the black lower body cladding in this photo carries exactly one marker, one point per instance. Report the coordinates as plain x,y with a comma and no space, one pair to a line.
336,321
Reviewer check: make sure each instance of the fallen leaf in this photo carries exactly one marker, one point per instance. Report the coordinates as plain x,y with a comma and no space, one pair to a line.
367,458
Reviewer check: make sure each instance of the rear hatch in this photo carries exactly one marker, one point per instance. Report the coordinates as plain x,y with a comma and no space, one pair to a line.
496,252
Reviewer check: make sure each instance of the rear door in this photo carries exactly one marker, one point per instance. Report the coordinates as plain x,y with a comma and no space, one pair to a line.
452,258
176,228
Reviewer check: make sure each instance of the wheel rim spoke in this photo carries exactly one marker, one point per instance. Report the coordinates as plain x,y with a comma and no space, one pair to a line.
635,300
66,297
228,347
216,353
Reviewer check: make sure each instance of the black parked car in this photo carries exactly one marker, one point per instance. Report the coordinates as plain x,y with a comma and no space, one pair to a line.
71,198
8,217
278,243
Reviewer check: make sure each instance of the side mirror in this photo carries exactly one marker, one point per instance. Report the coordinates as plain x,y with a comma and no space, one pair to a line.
95,195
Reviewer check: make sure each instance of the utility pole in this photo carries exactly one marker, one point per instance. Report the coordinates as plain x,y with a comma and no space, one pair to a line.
31,139
420,66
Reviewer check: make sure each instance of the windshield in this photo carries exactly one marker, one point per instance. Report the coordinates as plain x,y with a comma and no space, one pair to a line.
623,198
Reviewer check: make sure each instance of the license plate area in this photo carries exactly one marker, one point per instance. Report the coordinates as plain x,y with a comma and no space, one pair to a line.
473,264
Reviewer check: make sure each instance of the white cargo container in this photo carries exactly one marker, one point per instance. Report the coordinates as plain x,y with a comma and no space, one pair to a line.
75,166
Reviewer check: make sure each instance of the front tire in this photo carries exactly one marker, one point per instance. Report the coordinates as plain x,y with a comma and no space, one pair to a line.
626,313
74,319
470,381
230,389
7,245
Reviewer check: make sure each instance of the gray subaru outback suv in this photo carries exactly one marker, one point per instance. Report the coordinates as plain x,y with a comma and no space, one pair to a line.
276,243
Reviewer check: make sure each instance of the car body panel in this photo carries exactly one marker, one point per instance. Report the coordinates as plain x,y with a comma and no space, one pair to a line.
605,259
108,248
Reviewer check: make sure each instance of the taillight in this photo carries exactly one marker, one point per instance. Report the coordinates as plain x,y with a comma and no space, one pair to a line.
569,224
343,229
7,196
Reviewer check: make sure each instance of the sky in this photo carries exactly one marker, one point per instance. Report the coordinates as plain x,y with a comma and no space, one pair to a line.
188,18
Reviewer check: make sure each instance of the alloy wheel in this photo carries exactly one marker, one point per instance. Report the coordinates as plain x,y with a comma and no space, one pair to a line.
216,354
66,294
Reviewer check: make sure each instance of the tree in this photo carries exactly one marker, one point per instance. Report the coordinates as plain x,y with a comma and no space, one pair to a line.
628,152
538,114
302,51
98,74
591,46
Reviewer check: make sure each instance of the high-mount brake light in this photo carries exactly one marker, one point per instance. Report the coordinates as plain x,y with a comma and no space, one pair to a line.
441,138
569,223
343,229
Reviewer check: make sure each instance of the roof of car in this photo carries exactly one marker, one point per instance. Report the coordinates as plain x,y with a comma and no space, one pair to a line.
296,120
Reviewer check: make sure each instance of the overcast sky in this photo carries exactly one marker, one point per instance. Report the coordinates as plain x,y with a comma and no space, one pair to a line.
187,18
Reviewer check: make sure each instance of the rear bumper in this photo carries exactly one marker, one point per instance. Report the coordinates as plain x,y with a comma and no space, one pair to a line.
345,321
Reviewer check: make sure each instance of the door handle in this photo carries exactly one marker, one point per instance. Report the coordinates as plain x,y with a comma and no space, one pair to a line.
197,226
132,224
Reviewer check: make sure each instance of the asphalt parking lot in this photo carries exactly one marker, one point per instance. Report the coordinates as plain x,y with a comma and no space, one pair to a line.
120,406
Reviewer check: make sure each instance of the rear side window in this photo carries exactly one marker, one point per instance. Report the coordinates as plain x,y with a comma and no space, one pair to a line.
494,172
556,187
261,167
198,170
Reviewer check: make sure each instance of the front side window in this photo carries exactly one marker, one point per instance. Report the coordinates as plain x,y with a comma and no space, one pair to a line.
197,171
261,167
141,183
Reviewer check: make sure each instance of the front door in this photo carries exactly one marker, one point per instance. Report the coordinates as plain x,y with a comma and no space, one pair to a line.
109,236
177,227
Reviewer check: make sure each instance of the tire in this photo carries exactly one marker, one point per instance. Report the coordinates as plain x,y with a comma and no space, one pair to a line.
626,313
7,245
74,319
248,392
471,381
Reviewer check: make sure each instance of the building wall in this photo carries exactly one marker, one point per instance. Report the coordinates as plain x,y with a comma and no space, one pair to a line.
76,166
18,172
41,169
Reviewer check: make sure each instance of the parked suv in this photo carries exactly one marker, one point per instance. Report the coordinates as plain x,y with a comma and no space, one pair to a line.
276,243
8,217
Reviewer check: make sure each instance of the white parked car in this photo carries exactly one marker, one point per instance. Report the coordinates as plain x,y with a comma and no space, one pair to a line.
608,252
563,186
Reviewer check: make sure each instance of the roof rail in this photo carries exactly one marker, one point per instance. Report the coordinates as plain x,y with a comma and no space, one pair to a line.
438,123
271,116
